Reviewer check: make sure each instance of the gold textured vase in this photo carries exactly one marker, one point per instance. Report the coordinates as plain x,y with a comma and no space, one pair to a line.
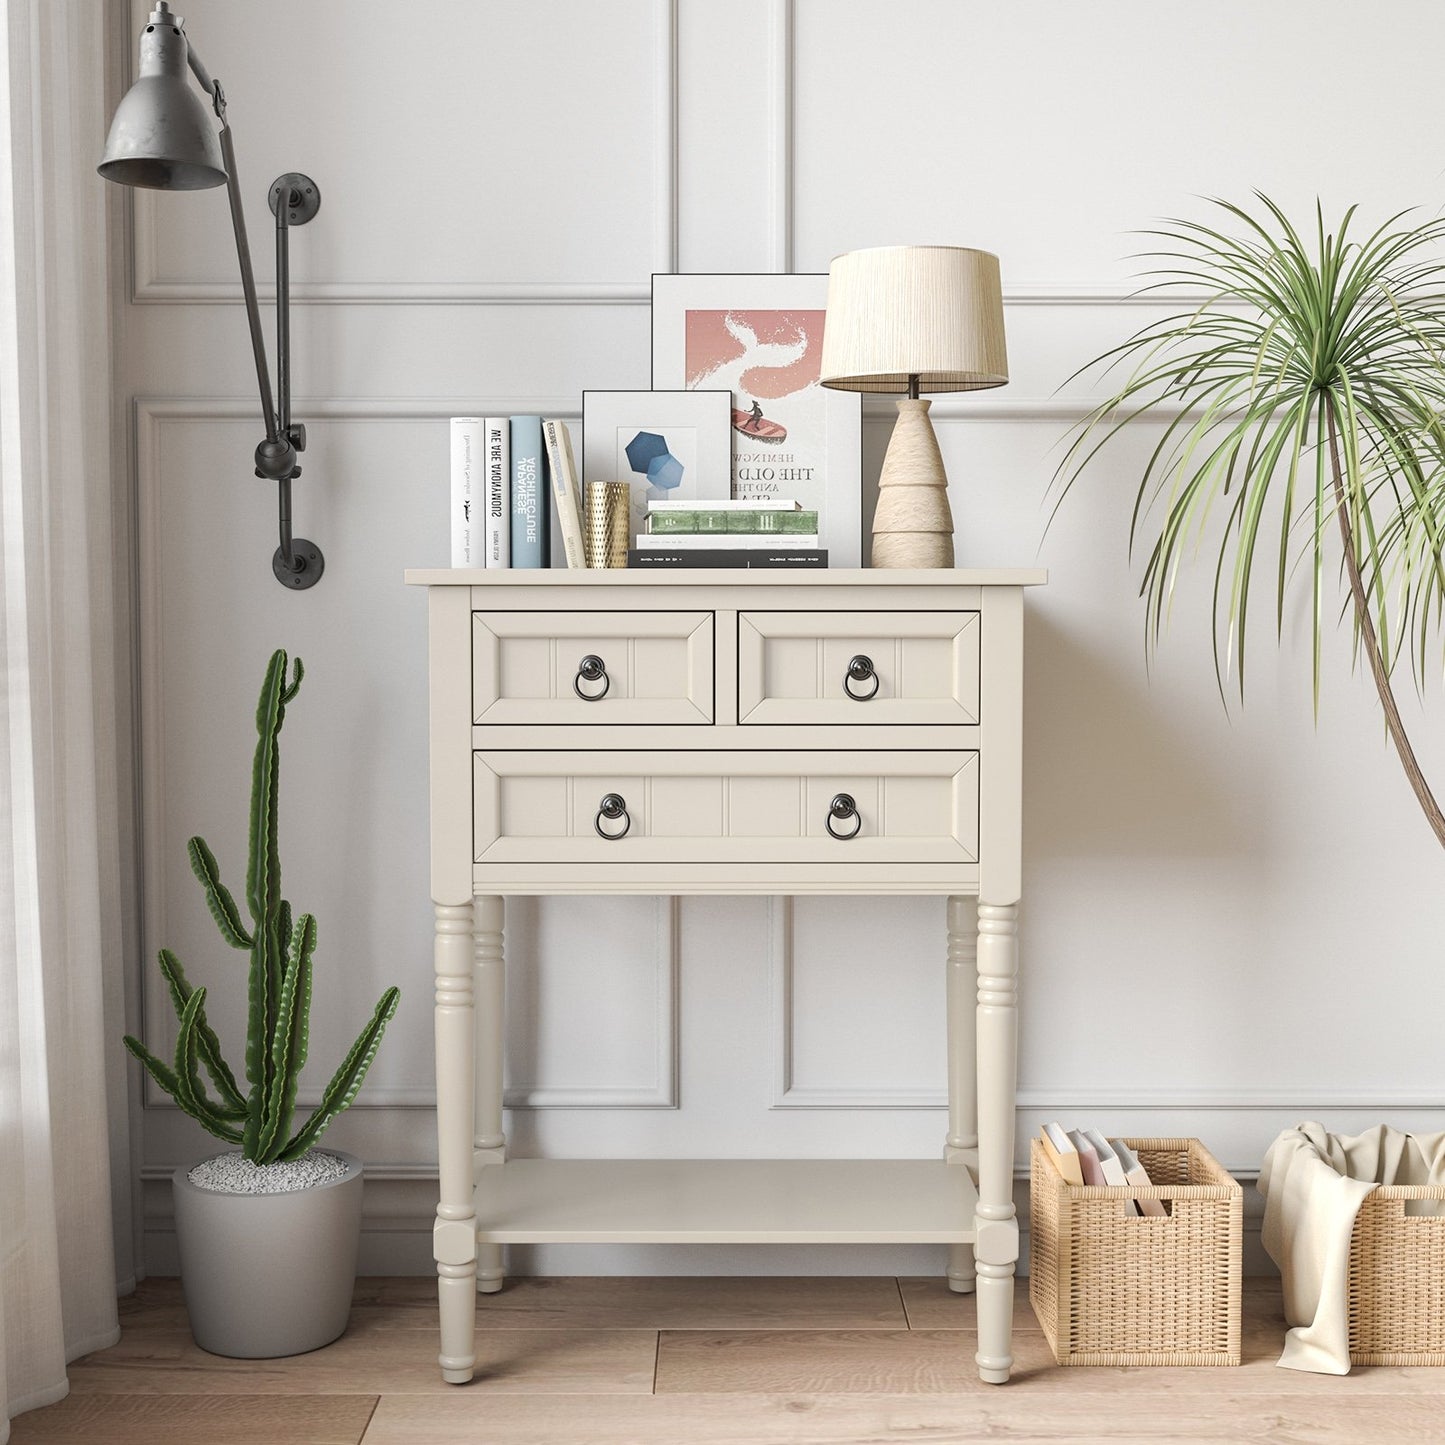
609,524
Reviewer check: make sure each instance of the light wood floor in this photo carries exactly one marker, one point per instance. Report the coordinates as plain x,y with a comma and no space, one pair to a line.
711,1361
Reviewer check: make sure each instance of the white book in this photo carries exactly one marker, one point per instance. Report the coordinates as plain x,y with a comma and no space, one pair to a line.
468,449
563,472
1137,1174
726,541
1109,1166
694,505
499,492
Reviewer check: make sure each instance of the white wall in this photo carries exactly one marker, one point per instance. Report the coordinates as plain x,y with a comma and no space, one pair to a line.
1229,922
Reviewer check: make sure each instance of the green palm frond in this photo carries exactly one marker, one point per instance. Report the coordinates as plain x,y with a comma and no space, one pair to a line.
1294,334
1302,406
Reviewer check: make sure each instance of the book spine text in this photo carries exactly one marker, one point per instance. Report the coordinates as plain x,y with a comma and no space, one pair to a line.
499,492
529,500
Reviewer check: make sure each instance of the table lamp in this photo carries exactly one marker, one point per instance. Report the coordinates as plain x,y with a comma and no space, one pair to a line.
162,138
914,319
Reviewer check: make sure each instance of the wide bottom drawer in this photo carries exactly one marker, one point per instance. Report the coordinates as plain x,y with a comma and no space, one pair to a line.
635,806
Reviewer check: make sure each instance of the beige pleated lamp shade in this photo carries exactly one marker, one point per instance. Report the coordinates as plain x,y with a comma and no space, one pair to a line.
934,312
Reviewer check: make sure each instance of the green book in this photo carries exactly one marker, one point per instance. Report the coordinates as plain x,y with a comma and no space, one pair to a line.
756,522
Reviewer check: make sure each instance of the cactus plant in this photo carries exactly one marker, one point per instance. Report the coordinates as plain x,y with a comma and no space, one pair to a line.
280,984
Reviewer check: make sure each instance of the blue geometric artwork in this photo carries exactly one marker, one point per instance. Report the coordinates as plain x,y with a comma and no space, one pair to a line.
648,454
664,472
643,448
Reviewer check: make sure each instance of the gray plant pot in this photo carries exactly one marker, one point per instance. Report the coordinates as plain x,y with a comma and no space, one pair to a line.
269,1274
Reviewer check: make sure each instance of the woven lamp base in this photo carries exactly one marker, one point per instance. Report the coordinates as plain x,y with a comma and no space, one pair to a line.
912,549
913,526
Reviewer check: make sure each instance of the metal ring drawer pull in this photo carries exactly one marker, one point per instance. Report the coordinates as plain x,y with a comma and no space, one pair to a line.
591,669
860,669
612,807
844,807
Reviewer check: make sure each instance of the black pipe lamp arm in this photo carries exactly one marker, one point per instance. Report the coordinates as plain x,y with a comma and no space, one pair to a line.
161,137
295,199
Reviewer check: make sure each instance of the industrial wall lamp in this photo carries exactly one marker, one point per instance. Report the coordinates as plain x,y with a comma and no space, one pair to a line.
163,139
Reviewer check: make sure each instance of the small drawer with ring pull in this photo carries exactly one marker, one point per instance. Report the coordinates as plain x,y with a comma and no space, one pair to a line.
592,667
858,667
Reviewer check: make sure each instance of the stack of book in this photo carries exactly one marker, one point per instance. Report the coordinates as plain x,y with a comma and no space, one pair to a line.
1084,1156
503,469
768,533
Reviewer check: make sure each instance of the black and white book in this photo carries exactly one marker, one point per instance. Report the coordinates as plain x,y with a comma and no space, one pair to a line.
744,557
468,453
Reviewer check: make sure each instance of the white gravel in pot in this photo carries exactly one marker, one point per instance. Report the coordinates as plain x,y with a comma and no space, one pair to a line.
235,1174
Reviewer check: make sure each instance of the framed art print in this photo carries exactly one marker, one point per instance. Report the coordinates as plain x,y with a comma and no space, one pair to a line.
668,445
761,337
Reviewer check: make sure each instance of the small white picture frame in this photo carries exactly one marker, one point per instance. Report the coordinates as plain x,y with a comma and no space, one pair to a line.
668,445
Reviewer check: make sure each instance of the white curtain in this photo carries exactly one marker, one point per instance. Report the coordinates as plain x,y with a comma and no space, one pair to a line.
60,931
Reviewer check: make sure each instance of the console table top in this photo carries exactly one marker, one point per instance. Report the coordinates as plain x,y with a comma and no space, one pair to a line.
624,577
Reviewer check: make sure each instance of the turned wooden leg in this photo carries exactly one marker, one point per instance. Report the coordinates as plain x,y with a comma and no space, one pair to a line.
490,1145
960,1146
997,1249
454,1238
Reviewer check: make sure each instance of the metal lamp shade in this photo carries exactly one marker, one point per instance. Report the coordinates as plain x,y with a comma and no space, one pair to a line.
163,136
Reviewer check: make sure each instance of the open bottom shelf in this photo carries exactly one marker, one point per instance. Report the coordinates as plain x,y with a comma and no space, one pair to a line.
725,1201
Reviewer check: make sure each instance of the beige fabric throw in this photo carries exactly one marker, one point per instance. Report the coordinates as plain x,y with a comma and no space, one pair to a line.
1313,1184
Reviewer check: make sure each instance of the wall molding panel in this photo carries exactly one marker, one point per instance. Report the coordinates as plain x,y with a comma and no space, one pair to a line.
783,171
787,1093
660,1090
150,415
1295,1102
150,287
780,134
657,1090
1049,1101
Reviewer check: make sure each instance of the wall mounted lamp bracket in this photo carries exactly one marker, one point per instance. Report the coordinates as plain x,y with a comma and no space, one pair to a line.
294,199
161,138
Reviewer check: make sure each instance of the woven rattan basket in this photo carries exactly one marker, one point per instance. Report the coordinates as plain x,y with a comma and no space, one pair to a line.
1111,1287
1397,1279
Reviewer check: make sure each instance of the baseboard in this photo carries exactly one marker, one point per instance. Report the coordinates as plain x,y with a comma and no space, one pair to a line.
399,1208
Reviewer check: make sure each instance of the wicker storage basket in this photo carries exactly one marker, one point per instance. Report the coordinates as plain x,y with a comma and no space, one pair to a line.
1397,1280
1112,1287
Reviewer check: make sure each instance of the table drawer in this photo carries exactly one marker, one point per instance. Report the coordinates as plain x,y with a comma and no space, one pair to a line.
725,807
592,667
858,667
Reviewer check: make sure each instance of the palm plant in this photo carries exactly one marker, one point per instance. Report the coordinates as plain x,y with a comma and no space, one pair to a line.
1304,395
279,1012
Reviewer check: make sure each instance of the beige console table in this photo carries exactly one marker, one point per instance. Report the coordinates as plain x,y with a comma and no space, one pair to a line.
704,731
